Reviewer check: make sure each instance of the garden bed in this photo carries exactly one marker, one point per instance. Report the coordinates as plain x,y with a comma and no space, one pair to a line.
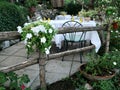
77,82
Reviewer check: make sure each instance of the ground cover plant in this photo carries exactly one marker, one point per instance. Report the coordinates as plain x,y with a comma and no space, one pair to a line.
15,81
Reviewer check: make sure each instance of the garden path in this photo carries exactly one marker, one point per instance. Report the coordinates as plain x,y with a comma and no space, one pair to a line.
55,68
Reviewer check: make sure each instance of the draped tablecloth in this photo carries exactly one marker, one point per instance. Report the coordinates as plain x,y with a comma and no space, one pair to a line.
90,35
63,17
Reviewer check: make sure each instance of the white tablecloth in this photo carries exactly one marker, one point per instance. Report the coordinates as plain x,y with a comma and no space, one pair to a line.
63,17
66,17
90,35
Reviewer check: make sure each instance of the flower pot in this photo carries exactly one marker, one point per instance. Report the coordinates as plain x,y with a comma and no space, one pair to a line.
57,3
87,19
95,78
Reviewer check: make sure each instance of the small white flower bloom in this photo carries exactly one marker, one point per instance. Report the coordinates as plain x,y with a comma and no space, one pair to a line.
42,29
35,30
47,51
49,47
19,28
111,30
113,13
29,35
25,24
43,40
116,31
50,31
28,46
114,63
25,41
115,36
116,49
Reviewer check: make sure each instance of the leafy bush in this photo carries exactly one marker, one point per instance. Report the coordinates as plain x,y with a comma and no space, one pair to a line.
115,38
73,8
10,16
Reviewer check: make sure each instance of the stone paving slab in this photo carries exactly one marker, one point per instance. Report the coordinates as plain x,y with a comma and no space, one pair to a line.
55,69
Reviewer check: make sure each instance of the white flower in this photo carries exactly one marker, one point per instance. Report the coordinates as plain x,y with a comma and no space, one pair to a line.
47,51
43,40
19,28
29,35
116,49
49,47
111,30
25,41
114,63
28,45
50,31
116,31
35,30
25,24
42,29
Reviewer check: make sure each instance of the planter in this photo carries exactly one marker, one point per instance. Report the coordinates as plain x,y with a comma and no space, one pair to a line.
57,3
87,19
95,78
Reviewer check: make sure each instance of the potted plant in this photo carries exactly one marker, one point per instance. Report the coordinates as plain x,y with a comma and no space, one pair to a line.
37,34
86,15
89,14
101,67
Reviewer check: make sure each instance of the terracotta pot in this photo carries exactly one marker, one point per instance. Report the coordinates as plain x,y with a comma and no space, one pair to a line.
95,78
57,3
87,19
115,25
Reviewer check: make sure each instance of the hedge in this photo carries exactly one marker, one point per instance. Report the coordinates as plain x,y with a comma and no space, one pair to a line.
11,16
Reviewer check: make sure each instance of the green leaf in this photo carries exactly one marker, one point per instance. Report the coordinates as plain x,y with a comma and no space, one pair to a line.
3,78
2,88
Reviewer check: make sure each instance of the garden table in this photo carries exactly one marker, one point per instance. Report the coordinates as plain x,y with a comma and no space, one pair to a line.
90,35
63,17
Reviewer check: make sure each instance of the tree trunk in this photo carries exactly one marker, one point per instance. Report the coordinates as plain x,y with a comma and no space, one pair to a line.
42,60
57,3
108,39
12,1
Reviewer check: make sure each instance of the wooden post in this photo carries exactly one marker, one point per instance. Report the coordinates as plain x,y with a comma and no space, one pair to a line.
108,39
12,1
42,60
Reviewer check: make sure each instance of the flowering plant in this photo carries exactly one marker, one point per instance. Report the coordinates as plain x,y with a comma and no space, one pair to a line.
37,34
103,65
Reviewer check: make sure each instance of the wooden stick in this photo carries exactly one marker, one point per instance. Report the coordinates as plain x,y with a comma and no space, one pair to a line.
9,35
51,56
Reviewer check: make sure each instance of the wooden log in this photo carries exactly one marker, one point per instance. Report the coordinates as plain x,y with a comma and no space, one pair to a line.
108,39
9,35
42,60
19,65
51,56
69,52
15,35
80,29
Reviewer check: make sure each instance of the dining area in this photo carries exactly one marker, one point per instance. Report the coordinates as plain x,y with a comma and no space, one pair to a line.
60,21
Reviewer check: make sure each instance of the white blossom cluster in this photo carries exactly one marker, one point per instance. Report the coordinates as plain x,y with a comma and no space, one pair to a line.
35,32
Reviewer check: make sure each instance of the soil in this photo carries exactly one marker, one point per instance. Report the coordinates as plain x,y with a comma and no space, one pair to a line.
61,85
65,84
71,82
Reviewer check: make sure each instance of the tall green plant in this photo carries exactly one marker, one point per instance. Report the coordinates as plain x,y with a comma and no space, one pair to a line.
11,16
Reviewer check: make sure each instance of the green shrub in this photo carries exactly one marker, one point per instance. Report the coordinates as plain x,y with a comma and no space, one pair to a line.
11,16
73,8
4,0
